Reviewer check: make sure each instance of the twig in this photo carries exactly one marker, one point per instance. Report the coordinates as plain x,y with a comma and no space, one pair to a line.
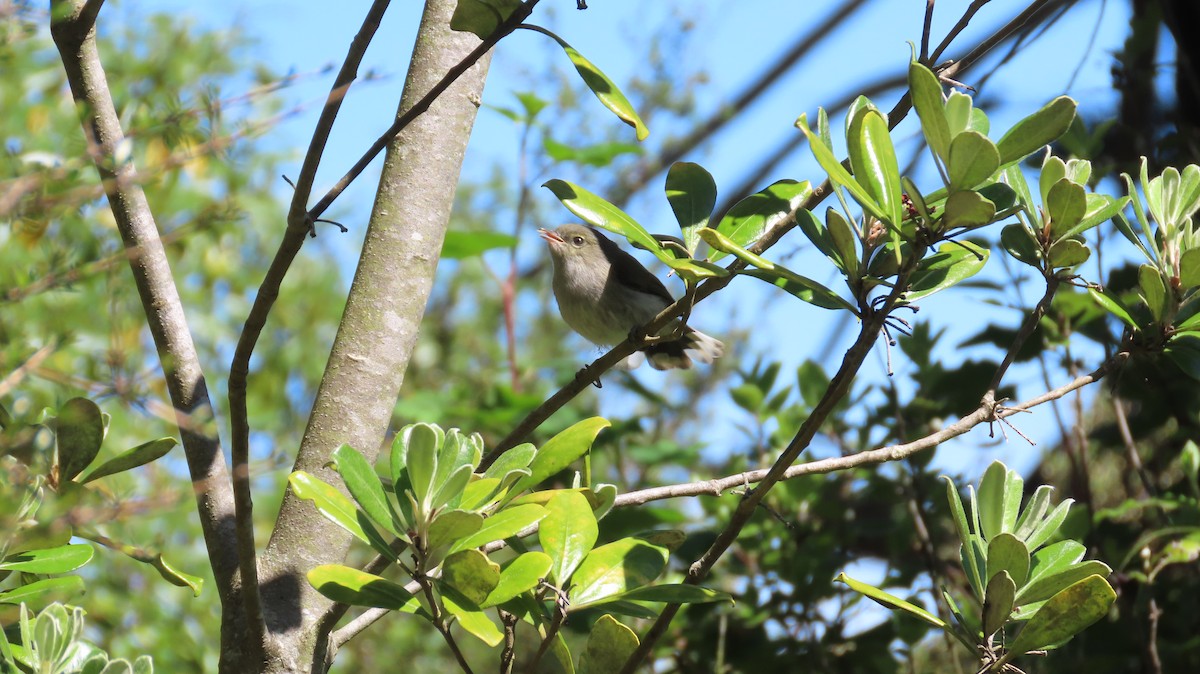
1131,451
508,655
963,21
73,29
717,486
925,29
1027,328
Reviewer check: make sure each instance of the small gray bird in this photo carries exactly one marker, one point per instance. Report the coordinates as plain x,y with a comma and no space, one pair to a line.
604,293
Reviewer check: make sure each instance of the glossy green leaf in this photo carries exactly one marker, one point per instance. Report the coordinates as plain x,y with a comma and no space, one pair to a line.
1048,584
1184,352
604,89
1066,253
928,100
953,263
613,569
330,502
132,458
1034,512
1112,305
358,588
1020,244
472,574
873,161
477,623
838,174
1066,205
567,533
1154,291
423,442
514,459
1054,169
520,575
598,212
1006,553
42,592
818,235
956,511
1099,208
481,17
79,431
999,499
598,155
449,529
1055,558
844,239
973,159
62,559
609,645
676,593
460,245
174,576
1037,130
967,210
503,524
750,217
692,193
561,451
364,486
891,601
1063,616
998,602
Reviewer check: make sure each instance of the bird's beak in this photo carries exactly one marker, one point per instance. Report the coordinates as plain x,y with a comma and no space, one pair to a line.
550,237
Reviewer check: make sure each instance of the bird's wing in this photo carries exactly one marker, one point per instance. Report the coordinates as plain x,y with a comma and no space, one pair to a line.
631,272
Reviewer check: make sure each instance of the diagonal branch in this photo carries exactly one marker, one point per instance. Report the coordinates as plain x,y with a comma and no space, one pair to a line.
74,30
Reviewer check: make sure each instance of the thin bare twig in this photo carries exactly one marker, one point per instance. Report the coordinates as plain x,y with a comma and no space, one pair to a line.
1131,451
925,30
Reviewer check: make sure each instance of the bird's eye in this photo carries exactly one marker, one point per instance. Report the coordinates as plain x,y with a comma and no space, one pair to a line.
577,240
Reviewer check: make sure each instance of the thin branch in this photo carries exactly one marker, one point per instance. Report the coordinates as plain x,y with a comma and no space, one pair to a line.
925,30
1131,451
14,378
74,31
963,21
1027,328
981,415
508,655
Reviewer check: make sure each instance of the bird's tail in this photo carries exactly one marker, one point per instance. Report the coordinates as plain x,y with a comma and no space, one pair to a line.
694,346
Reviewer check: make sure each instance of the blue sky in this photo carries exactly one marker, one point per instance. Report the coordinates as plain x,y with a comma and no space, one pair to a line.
732,41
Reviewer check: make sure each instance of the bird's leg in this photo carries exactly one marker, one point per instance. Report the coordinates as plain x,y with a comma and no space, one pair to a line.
679,328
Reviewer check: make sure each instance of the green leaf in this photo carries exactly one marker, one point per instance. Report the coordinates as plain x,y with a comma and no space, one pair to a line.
1112,305
676,593
873,161
1066,205
459,245
1047,584
974,562
474,621
957,512
359,588
561,451
132,458
472,574
1063,616
600,213
1020,244
609,645
968,210
79,431
422,442
1055,558
692,193
364,486
1034,512
613,569
998,602
521,575
449,529
503,524
838,174
1189,269
1154,291
804,288
1066,253
514,459
604,89
891,601
481,17
845,242
174,576
1099,208
42,592
63,559
567,533
1037,130
999,500
928,100
598,155
1006,553
953,263
750,217
330,502
958,113
973,159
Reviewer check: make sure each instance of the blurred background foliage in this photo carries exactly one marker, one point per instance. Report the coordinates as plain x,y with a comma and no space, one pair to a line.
196,106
